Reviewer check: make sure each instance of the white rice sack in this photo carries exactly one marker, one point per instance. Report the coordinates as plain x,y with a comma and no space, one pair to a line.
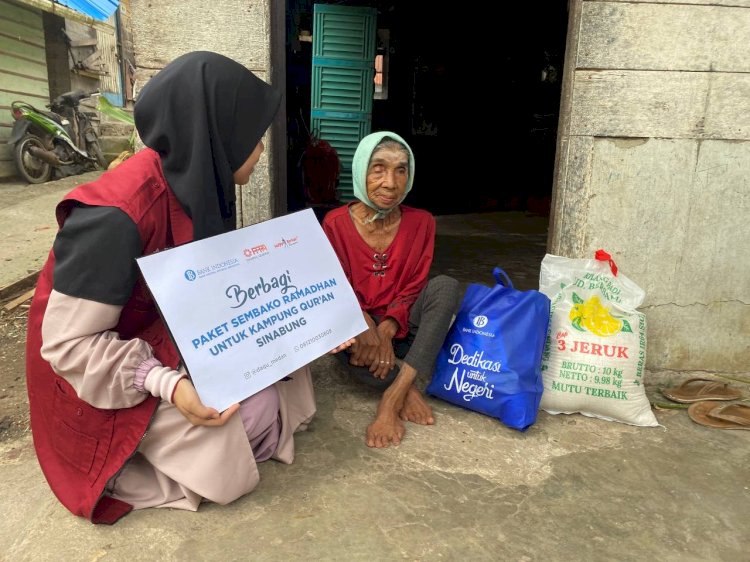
595,355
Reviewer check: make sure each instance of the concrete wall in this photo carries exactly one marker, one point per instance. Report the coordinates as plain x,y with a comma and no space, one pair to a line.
240,30
654,166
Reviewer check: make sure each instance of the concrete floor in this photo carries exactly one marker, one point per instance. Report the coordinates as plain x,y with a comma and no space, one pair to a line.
569,488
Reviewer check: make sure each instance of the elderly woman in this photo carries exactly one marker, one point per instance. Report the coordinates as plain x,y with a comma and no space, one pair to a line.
386,251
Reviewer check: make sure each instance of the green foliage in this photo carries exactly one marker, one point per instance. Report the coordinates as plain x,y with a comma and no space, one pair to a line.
118,115
114,112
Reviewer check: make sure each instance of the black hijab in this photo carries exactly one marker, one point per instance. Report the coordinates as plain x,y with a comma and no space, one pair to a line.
204,114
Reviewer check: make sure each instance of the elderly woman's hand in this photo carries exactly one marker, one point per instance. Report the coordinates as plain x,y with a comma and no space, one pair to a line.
385,359
186,400
365,348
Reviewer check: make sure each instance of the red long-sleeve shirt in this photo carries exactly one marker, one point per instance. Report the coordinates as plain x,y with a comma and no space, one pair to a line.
407,263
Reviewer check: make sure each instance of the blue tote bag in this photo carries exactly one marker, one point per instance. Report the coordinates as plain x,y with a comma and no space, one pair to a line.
491,359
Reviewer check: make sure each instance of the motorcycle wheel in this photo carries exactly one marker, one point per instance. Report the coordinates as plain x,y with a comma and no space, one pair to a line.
31,168
95,150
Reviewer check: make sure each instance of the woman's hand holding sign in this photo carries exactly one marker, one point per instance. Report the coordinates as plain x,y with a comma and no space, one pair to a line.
186,399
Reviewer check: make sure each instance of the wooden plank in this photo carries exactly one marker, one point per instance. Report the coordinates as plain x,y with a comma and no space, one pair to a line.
16,288
24,84
6,126
664,37
14,65
19,300
729,3
95,74
24,39
109,63
27,30
87,42
6,154
11,46
92,60
660,104
8,170
10,10
6,98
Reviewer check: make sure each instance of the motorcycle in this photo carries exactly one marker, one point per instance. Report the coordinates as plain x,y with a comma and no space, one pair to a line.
62,140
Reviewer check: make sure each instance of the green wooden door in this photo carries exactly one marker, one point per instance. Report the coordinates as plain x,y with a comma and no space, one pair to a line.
23,69
342,81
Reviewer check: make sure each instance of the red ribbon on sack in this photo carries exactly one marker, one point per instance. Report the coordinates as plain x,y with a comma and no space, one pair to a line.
601,255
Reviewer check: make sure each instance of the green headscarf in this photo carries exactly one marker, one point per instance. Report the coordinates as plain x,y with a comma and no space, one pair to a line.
359,169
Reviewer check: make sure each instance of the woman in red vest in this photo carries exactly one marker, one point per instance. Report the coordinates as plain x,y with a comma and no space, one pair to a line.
116,421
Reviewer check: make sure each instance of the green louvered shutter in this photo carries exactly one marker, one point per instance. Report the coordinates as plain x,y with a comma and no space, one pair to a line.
342,81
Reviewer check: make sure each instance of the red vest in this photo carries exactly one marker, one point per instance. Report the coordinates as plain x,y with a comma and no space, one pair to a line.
80,447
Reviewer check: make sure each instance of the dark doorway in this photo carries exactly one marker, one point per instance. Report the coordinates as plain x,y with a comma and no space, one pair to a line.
449,79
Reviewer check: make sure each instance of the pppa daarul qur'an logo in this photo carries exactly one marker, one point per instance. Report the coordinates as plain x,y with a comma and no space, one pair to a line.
255,251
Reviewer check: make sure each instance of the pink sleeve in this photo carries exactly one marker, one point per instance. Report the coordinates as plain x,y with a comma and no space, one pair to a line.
153,378
79,343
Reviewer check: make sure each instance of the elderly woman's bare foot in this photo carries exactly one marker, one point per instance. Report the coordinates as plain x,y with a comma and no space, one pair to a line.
416,409
386,429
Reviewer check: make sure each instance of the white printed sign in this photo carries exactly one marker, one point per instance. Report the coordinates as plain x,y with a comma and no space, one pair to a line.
250,306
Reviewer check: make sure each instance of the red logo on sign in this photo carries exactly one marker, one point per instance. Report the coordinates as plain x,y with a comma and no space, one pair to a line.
286,242
255,251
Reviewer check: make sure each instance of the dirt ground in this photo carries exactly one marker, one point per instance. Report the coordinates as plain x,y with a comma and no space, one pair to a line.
14,404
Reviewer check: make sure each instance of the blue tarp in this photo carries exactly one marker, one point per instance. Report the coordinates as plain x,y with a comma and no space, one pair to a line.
97,9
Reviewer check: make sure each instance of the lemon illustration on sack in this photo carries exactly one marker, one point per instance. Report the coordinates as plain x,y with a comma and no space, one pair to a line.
592,316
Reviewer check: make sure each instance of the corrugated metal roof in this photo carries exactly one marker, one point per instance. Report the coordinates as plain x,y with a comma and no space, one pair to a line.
97,9
75,13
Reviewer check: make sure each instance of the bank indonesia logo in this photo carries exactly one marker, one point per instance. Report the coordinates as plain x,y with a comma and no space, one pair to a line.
480,321
190,275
